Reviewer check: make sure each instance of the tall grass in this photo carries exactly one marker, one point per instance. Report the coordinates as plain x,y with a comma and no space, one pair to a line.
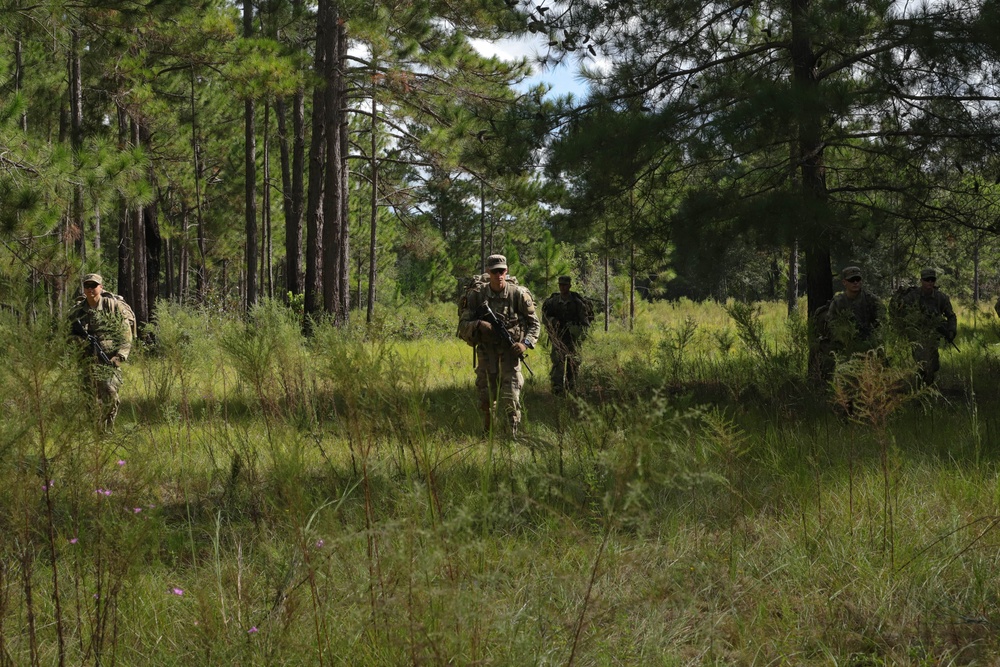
272,499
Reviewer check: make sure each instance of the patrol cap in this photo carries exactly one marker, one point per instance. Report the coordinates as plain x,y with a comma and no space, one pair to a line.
565,280
93,278
496,262
928,273
850,272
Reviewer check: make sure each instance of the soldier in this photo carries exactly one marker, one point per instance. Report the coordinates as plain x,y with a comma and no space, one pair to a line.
566,315
925,315
498,364
104,321
853,316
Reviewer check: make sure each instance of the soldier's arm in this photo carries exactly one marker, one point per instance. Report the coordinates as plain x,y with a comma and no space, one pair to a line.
532,327
124,336
468,322
951,325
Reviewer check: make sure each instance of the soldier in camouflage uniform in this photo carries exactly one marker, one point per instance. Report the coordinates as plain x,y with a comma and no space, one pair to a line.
854,315
498,365
925,316
566,315
103,316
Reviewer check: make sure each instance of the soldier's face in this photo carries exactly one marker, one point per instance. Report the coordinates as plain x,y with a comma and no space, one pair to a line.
927,285
498,278
92,291
852,286
564,288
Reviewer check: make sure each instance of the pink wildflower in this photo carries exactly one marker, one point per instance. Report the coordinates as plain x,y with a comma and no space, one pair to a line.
177,591
252,630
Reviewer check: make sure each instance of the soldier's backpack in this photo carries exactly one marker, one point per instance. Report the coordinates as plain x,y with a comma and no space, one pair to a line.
127,313
819,327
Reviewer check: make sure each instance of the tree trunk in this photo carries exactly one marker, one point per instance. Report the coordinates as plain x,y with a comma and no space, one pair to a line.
18,76
792,291
975,272
124,228
344,282
266,274
370,312
76,142
332,192
184,254
250,169
140,275
292,188
317,166
819,283
202,278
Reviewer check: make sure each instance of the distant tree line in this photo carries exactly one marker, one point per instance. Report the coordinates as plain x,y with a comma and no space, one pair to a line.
347,153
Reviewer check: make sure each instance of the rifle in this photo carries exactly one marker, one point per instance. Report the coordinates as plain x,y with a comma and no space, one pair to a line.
950,340
491,317
95,345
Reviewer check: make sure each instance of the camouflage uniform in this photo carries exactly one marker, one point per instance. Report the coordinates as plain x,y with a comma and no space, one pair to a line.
498,367
566,320
108,323
853,322
924,317
844,326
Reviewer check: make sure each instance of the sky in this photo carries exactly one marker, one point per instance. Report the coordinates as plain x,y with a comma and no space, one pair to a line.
562,78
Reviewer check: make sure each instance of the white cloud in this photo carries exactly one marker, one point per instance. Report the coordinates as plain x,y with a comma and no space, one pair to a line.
563,78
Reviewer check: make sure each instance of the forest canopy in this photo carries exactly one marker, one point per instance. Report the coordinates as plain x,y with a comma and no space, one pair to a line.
343,154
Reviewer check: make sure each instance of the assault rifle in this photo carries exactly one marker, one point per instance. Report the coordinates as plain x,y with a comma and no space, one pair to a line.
948,339
491,317
95,344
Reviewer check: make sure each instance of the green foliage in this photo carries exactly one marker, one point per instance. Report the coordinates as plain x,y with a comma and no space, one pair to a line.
228,516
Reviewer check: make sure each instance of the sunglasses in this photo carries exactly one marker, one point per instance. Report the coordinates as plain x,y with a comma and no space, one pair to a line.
855,279
930,280
497,270
90,285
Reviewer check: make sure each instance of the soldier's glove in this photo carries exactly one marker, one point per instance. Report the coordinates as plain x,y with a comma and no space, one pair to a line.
116,361
518,349
485,328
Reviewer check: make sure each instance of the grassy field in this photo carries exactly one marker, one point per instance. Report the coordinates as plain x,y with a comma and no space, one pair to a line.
276,500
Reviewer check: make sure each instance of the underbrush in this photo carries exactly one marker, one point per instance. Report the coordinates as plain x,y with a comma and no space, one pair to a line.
269,498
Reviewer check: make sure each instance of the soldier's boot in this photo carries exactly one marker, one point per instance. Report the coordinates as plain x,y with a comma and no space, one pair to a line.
513,429
487,423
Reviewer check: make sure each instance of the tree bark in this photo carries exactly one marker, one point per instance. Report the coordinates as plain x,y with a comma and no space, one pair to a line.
317,167
332,192
124,228
140,275
76,142
373,226
344,285
250,168
201,282
819,283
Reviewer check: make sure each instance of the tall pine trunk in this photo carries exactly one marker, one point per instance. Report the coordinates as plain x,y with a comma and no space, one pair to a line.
332,188
344,284
819,286
317,168
76,223
373,226
250,169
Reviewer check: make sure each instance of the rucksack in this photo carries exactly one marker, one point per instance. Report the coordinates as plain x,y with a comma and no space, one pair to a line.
127,313
820,324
